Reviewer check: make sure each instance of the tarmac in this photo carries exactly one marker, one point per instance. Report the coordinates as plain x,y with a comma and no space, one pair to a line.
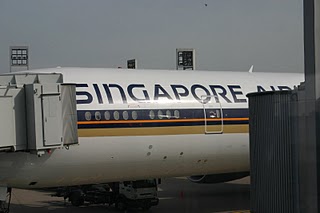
176,195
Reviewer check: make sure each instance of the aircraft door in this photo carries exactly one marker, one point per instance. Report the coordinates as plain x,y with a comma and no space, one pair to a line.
213,115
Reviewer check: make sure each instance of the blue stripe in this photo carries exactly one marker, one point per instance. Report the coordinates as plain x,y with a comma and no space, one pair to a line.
144,115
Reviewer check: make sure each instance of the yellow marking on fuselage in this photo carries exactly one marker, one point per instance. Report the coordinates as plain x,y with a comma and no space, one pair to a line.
144,131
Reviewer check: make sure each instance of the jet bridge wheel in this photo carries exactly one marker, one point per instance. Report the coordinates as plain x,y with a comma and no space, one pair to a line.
121,205
5,205
76,198
146,207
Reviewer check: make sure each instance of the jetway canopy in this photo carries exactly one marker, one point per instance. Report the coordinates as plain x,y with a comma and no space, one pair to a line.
37,111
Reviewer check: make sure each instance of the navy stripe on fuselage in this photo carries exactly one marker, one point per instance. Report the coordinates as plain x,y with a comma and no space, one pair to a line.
159,117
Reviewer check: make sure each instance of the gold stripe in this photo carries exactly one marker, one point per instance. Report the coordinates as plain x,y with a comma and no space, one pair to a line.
132,131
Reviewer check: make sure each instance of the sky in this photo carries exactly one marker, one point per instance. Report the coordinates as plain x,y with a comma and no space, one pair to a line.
226,34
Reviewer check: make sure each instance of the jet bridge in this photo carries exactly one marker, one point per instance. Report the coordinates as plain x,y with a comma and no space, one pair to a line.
37,113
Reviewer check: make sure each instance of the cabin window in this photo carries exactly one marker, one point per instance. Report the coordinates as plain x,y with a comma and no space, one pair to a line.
160,115
176,114
151,114
107,115
116,115
87,116
168,114
97,116
134,115
125,115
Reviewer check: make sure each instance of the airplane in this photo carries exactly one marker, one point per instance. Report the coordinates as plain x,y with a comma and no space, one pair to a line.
137,124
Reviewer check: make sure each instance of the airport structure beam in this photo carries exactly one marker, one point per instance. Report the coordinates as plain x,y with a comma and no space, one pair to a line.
310,153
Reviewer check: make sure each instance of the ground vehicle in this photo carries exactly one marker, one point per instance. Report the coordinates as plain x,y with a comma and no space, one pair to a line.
133,194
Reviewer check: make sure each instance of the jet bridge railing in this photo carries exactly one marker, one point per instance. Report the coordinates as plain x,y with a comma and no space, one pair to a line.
37,111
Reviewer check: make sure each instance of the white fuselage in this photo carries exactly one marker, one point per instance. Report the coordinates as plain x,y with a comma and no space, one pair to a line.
136,124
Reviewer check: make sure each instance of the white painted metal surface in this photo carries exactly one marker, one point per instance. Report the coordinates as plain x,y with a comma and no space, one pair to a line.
115,158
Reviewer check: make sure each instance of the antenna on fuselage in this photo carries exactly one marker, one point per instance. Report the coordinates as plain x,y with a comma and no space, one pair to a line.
251,69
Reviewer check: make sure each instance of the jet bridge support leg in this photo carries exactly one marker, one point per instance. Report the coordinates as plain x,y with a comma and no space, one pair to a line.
5,199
